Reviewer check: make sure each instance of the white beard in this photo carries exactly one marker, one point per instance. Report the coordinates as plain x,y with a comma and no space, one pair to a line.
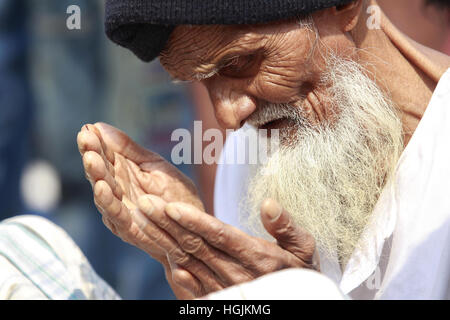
332,175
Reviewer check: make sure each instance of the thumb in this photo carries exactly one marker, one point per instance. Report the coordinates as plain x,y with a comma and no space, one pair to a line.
278,222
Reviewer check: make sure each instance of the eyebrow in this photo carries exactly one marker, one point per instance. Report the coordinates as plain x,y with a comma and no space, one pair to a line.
202,72
198,76
206,75
206,70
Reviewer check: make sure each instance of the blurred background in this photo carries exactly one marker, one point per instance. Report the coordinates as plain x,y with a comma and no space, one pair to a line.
54,80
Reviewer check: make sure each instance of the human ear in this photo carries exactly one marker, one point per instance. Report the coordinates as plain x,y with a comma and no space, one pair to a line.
347,15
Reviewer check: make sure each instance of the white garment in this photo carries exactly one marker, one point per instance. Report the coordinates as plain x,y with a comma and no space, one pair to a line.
408,252
310,285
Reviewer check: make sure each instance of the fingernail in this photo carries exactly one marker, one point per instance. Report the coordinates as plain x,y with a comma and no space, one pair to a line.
273,209
146,205
173,212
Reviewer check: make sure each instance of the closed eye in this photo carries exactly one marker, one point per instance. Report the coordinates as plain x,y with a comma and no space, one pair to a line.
244,66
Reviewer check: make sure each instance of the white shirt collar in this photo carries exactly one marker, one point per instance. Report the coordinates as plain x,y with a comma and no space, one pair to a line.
403,203
413,212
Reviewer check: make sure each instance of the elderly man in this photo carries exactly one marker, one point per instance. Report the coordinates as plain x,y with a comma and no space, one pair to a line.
358,189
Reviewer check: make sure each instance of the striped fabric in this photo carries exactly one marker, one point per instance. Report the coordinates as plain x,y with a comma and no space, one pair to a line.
40,261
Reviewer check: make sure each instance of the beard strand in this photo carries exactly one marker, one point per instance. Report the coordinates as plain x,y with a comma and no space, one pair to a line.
331,176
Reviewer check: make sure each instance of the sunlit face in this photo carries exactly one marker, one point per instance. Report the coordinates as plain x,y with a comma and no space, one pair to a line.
344,135
246,67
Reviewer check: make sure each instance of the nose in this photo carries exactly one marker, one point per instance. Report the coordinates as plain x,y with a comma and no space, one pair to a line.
231,107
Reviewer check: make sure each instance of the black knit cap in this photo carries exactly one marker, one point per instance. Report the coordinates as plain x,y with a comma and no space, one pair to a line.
144,26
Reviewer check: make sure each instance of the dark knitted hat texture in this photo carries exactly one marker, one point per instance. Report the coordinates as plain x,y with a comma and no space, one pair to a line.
144,26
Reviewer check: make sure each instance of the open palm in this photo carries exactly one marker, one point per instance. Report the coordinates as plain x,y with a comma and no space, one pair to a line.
121,171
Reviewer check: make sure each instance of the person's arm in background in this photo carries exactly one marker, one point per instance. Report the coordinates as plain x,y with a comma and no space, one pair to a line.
206,173
425,21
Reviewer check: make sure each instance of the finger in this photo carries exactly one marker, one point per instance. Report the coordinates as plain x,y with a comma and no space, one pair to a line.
132,173
93,166
208,279
127,180
292,238
118,218
218,234
128,173
226,267
109,225
96,170
107,152
110,207
88,140
256,256
183,278
150,180
118,141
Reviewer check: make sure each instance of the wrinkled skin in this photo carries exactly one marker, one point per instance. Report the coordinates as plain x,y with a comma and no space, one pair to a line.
252,64
200,253
271,63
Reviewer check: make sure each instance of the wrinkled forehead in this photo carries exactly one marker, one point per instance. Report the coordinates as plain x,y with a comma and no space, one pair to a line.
190,47
193,51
